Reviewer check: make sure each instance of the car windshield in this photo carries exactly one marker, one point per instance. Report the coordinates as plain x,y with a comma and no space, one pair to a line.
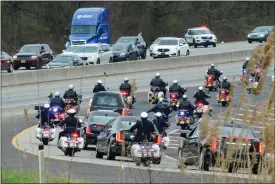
120,47
126,40
83,29
30,48
99,119
62,59
156,41
199,31
71,48
261,29
168,42
86,49
124,124
106,100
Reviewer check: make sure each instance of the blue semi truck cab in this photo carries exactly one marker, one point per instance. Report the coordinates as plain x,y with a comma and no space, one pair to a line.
89,25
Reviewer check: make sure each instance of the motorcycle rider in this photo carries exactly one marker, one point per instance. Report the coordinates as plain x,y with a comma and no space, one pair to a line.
70,93
127,87
44,116
245,63
225,84
186,105
99,87
160,123
201,96
157,81
213,71
176,88
162,107
57,101
71,123
144,128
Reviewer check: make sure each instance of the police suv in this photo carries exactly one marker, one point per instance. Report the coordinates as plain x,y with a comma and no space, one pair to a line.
200,36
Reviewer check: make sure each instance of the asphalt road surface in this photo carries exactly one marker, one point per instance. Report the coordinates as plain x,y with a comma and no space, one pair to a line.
225,47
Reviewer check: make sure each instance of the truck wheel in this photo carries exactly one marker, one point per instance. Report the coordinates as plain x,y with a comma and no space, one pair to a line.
110,155
194,43
178,54
10,69
98,61
28,67
249,41
110,60
214,45
187,53
143,56
16,67
205,46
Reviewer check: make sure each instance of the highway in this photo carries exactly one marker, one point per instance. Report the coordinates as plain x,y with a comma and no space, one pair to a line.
221,48
84,165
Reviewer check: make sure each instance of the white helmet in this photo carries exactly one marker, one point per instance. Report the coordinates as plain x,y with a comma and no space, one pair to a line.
57,94
71,86
158,114
184,96
46,106
175,81
200,88
247,59
212,64
144,115
157,74
71,111
224,78
99,82
126,79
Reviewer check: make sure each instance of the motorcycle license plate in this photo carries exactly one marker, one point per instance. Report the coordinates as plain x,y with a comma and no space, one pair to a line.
72,144
46,135
209,85
23,61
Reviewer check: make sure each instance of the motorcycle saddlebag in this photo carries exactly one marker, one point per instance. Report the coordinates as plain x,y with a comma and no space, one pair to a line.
63,142
157,150
166,141
80,143
135,151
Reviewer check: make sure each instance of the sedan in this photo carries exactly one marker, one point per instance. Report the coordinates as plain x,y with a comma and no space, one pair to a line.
94,124
125,52
65,60
111,140
259,34
193,150
6,62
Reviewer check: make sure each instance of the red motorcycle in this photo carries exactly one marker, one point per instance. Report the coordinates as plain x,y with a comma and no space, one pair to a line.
127,98
199,108
223,97
71,104
174,100
210,82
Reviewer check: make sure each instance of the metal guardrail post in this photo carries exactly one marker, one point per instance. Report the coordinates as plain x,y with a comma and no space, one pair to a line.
41,163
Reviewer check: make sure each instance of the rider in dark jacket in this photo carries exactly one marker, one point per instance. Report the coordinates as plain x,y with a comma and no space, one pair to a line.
176,88
213,71
225,84
57,101
70,93
162,107
71,123
44,116
127,87
201,96
245,63
160,123
157,81
144,128
99,87
186,105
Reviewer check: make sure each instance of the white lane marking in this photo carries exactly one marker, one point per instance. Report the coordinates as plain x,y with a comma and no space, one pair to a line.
173,147
173,144
170,157
174,140
174,136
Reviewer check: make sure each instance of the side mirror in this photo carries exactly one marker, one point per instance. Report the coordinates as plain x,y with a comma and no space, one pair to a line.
183,135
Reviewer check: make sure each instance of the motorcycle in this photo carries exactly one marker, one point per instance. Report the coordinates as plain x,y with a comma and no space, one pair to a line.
210,83
57,114
184,119
165,140
46,133
223,97
146,152
252,86
154,95
127,98
200,109
71,104
174,101
243,74
71,143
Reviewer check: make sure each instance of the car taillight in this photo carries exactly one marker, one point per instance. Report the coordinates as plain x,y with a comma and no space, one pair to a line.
260,149
56,115
214,145
173,96
200,104
222,92
119,137
75,135
158,139
88,130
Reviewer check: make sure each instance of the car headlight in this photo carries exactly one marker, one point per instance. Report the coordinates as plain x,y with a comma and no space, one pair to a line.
262,35
197,37
122,54
33,57
248,35
14,57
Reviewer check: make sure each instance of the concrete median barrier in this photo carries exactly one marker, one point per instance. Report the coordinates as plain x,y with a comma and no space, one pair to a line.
41,76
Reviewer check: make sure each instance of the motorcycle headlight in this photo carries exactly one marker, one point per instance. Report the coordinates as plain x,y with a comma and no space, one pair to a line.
122,54
33,57
55,110
14,57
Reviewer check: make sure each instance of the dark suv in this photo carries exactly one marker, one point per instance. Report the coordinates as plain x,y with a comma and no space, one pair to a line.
33,55
136,40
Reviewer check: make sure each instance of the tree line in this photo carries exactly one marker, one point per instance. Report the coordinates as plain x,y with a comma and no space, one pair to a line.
26,22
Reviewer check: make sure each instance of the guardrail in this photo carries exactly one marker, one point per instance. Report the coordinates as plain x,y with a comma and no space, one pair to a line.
51,75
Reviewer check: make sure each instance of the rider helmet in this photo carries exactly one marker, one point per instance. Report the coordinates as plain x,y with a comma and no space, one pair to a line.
247,59
71,111
175,81
157,74
99,82
144,115
212,65
46,106
200,88
126,79
71,86
184,96
224,78
158,114
57,94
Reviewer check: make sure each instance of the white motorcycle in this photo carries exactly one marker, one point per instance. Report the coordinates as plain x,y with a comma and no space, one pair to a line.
45,134
71,143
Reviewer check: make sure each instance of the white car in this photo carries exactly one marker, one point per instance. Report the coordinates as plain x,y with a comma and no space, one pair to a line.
95,53
169,47
153,45
200,36
70,49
